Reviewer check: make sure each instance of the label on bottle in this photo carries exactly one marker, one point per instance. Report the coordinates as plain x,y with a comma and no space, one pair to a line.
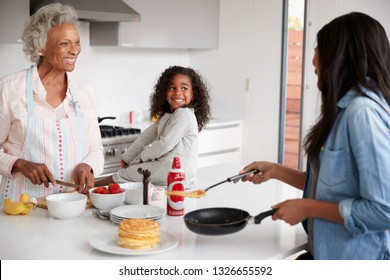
175,204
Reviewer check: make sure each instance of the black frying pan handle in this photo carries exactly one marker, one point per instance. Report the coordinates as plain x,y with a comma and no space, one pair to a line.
105,118
263,215
239,176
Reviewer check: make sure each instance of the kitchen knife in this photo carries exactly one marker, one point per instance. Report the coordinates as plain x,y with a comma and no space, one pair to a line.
67,184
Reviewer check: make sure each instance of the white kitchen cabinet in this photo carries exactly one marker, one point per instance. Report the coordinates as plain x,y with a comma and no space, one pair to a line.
13,15
219,143
164,24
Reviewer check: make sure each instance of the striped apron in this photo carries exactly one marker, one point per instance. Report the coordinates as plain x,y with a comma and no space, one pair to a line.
61,145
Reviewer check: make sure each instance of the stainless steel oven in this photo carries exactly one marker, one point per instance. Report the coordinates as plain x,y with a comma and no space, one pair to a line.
115,142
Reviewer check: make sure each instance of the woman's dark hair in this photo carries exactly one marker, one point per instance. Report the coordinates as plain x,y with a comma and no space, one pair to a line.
199,102
350,49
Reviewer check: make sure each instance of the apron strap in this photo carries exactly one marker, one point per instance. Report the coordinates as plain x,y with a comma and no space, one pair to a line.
76,103
29,93
30,99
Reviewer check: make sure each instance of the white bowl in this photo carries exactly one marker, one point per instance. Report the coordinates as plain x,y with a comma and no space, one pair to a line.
106,201
135,192
66,205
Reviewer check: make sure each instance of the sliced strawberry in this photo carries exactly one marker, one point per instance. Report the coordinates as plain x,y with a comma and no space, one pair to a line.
106,191
99,190
114,188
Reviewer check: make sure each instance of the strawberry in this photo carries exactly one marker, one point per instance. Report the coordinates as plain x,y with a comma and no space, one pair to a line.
114,188
99,190
106,191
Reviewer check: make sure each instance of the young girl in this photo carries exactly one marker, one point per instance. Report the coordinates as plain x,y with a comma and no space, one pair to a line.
181,103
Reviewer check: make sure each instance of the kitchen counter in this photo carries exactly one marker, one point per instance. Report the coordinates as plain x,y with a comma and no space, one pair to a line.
40,236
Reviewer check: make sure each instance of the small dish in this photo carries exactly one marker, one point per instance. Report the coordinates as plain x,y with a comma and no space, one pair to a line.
106,201
135,192
66,205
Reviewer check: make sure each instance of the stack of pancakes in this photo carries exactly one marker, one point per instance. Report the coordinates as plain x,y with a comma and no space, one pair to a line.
138,233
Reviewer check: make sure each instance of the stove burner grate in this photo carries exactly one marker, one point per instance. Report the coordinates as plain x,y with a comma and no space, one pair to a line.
112,131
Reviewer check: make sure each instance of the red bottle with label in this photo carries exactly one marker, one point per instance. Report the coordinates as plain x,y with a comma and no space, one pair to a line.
175,182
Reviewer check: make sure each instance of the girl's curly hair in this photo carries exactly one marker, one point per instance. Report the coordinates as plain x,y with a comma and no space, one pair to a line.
199,102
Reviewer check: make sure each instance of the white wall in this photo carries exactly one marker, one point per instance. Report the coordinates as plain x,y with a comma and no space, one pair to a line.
249,51
227,68
261,121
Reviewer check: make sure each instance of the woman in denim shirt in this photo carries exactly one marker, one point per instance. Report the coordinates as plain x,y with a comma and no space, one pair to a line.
346,204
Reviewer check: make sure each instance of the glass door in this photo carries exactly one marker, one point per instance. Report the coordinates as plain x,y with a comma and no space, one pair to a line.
291,109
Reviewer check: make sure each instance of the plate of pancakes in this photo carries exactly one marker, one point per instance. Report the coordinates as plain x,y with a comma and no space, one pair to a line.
134,237
150,212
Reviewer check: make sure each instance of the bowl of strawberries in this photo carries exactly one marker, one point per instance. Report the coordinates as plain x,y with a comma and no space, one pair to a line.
107,197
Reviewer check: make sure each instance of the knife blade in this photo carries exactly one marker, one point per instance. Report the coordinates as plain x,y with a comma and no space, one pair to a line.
67,184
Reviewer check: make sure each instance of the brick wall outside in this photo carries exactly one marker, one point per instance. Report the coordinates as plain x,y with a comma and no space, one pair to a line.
293,96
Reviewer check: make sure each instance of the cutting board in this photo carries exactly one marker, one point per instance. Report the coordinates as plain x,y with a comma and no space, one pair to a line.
42,203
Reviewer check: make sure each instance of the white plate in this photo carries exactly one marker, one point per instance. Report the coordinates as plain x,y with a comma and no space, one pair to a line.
113,217
106,242
137,211
126,218
117,221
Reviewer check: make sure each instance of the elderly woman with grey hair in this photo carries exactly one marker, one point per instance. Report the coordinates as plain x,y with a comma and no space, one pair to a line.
49,129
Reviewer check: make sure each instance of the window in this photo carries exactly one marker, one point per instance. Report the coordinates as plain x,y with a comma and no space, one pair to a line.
289,148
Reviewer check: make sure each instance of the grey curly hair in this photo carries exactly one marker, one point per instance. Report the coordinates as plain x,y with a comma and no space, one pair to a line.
35,32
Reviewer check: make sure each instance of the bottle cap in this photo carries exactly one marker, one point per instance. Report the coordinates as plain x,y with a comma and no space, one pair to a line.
176,163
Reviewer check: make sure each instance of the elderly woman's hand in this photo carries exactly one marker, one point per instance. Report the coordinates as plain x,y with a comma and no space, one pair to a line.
37,173
83,176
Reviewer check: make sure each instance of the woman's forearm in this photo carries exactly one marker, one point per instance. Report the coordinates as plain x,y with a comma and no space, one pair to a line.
289,176
324,210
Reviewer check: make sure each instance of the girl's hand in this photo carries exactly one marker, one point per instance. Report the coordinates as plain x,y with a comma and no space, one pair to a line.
37,173
124,164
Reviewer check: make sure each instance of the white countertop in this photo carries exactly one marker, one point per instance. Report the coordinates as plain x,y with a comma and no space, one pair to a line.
40,236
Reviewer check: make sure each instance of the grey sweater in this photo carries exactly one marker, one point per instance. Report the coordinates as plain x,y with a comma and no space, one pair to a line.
172,135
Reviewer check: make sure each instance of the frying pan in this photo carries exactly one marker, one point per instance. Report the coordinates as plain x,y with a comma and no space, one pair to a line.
220,220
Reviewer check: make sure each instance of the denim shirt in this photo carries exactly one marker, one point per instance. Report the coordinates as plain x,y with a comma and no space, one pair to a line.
355,173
